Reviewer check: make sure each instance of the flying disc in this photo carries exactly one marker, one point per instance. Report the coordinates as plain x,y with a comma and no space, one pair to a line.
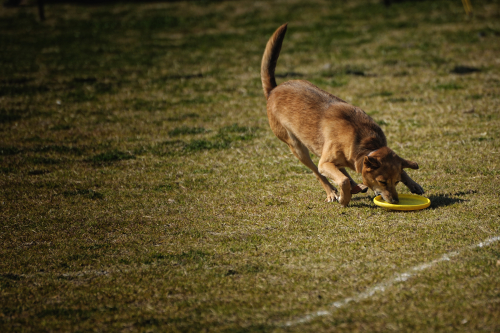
406,202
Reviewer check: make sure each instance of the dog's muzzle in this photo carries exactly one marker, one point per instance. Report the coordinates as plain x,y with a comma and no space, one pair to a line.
392,201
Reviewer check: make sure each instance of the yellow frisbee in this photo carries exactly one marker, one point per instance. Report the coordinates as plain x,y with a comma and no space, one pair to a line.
406,202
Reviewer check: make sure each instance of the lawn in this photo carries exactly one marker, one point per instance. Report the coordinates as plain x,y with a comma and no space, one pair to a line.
142,189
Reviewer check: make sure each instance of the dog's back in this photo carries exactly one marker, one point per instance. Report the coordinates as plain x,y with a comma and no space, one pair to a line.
315,116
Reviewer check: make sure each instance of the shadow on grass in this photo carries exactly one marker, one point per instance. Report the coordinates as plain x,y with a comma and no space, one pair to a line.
111,156
443,200
86,193
437,200
362,202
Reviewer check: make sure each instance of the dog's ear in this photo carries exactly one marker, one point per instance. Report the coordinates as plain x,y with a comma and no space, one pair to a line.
408,164
371,163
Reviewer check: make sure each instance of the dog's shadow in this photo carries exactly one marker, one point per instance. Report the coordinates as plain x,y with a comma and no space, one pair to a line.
437,200
364,201
443,200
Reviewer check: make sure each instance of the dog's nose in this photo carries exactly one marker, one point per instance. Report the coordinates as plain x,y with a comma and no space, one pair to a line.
391,200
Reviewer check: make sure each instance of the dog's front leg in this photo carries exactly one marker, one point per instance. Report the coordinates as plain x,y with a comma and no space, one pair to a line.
355,187
411,184
331,171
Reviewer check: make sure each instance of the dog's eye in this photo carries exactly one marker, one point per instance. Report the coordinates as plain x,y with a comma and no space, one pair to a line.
383,183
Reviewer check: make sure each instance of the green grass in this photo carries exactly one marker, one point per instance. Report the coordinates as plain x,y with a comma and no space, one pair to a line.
143,190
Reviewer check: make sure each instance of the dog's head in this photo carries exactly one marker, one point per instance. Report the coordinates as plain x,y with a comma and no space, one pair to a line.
382,172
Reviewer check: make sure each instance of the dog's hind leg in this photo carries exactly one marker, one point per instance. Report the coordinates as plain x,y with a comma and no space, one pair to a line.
302,153
355,187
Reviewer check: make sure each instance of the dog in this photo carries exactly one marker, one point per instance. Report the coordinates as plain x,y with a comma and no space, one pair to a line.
343,136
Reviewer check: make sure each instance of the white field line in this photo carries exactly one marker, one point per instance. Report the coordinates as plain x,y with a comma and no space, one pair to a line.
381,287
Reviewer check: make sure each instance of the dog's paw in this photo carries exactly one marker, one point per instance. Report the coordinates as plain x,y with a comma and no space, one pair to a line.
359,188
344,200
344,197
332,197
416,188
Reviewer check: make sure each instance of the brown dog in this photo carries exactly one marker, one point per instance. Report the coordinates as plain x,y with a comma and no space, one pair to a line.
307,119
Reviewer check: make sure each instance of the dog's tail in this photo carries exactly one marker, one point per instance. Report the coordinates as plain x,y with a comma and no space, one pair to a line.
270,58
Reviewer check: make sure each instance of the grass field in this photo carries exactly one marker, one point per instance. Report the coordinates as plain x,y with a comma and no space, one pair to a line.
142,189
